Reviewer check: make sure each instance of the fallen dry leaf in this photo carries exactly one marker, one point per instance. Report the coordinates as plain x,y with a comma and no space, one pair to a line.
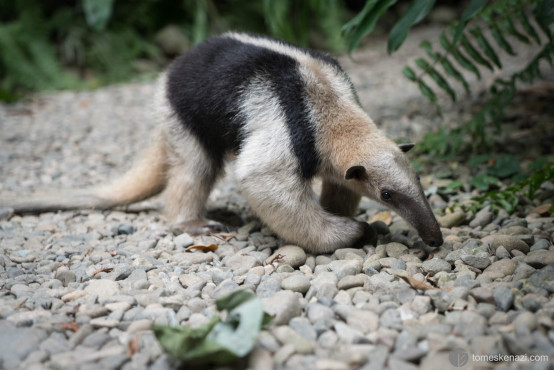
203,248
276,258
70,326
543,210
105,269
382,216
414,283
132,347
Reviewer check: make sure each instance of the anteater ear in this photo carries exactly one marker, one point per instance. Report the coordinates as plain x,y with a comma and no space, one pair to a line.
406,147
356,172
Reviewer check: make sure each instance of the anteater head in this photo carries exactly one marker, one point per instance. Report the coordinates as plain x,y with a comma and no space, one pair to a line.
387,176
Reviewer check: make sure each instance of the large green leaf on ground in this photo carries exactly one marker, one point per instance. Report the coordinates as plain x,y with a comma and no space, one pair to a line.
218,342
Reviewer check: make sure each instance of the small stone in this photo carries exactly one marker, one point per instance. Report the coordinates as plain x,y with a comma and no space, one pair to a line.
238,261
290,255
363,320
225,288
500,268
421,304
543,278
346,333
193,282
346,267
502,253
296,283
139,325
541,244
352,281
66,277
525,320
540,258
509,242
482,218
503,297
452,219
287,335
303,327
468,324
479,262
395,249
328,339
103,288
435,265
318,312
283,306
125,229
104,323
482,294
268,287
182,241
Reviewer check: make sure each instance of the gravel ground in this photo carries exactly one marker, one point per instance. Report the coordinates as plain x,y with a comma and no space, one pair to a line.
82,289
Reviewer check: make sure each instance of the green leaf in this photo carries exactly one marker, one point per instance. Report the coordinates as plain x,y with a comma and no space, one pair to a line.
417,11
474,7
544,13
485,45
537,164
474,54
426,91
501,40
218,342
355,31
436,76
409,73
450,70
512,30
524,21
483,181
459,57
426,45
454,185
505,165
479,159
97,13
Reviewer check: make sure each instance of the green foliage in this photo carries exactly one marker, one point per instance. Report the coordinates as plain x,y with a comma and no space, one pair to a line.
47,45
458,48
218,342
510,197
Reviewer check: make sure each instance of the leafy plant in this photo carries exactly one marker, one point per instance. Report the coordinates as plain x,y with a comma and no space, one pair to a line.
470,50
218,342
510,197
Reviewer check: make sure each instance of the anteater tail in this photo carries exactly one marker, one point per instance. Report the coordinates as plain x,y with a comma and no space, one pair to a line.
145,179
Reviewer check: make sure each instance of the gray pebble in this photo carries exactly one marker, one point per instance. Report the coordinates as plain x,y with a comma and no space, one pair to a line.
296,283
503,297
435,265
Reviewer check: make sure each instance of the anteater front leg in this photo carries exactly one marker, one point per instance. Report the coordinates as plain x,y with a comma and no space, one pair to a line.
338,199
287,204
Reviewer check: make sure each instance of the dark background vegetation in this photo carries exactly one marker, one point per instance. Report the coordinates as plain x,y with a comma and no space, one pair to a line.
76,44
82,44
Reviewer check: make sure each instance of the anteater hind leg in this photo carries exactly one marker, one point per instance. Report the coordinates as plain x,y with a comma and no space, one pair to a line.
338,199
287,204
191,176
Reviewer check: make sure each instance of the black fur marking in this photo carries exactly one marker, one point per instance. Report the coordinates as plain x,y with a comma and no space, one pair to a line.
205,87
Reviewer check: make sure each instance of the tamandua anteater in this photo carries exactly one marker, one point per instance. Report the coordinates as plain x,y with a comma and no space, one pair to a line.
289,115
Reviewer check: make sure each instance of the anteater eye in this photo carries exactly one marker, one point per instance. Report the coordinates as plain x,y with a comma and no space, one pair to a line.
386,195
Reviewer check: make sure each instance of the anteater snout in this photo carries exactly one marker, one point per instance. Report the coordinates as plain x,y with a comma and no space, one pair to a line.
434,242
